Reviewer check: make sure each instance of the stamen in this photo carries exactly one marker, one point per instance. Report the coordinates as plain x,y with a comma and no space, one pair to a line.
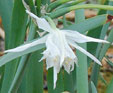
56,59
67,60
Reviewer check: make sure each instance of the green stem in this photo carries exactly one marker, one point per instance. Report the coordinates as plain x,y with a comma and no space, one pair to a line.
63,11
51,22
56,3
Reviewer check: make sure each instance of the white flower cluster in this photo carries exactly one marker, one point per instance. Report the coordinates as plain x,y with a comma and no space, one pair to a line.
58,52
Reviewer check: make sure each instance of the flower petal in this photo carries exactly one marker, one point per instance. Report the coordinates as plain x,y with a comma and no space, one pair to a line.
26,46
79,38
55,77
42,23
49,63
85,52
51,47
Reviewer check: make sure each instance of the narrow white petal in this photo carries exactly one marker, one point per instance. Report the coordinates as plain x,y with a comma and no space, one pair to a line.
72,66
67,67
80,38
62,43
49,63
18,49
26,46
55,77
42,23
85,52
52,48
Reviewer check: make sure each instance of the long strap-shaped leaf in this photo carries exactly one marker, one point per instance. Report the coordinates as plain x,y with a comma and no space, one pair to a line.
89,24
63,11
96,68
33,78
6,7
22,66
110,87
81,70
6,13
16,37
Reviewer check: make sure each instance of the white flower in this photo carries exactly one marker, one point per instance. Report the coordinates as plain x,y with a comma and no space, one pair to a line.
58,52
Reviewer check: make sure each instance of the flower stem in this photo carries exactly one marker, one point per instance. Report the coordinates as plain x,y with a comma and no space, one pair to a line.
51,22
63,11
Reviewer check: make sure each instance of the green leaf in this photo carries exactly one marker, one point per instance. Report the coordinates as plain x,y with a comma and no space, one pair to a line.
101,51
59,85
70,79
69,4
32,82
68,82
96,67
33,77
63,11
19,74
5,13
81,70
109,62
110,87
6,7
106,46
56,4
82,73
94,90
22,66
16,37
102,79
100,32
89,24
